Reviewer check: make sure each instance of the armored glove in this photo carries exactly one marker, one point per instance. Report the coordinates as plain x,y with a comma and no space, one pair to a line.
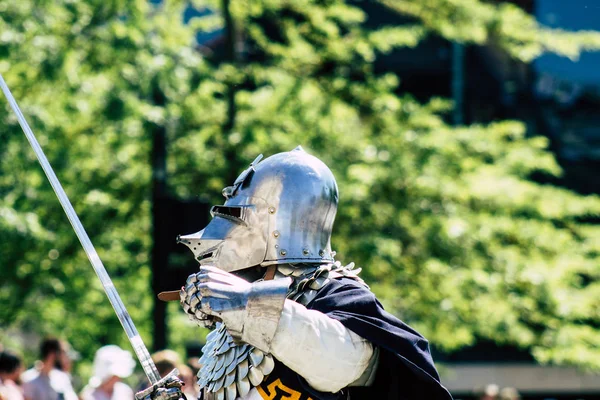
168,388
250,311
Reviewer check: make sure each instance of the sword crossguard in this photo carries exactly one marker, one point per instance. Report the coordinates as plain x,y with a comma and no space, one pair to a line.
168,388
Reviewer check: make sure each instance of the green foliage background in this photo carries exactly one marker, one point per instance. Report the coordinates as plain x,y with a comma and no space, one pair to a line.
452,233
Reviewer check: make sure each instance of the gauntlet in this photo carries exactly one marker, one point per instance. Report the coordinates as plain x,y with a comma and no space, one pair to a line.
249,311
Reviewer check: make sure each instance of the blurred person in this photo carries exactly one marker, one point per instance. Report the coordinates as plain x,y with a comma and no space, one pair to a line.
111,364
190,389
509,393
11,367
166,361
194,364
488,392
50,379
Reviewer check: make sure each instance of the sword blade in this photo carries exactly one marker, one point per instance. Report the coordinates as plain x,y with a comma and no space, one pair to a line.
113,296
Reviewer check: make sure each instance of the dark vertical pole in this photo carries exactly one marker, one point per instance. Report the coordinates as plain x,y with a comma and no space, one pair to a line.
159,218
458,82
230,57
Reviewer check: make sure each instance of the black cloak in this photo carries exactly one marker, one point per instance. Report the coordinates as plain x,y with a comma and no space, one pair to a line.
406,370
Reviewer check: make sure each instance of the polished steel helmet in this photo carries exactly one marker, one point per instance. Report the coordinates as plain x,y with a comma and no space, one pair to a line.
278,211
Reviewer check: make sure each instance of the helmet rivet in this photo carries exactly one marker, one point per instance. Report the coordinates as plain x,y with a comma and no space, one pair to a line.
276,234
283,252
321,253
271,210
305,252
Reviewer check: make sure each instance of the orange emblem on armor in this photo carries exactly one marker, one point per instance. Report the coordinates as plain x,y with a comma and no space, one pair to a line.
273,394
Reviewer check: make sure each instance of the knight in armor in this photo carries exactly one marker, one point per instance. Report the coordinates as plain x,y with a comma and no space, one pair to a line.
291,322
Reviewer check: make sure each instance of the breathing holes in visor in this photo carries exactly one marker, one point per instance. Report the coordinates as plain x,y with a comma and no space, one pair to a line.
235,212
205,256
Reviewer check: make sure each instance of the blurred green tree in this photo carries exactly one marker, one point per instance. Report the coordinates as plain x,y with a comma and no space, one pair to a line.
91,78
452,233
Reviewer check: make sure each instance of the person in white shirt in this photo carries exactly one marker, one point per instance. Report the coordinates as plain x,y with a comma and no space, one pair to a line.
48,380
111,364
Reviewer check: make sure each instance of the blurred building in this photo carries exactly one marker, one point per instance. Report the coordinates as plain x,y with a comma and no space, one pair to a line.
554,96
567,94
